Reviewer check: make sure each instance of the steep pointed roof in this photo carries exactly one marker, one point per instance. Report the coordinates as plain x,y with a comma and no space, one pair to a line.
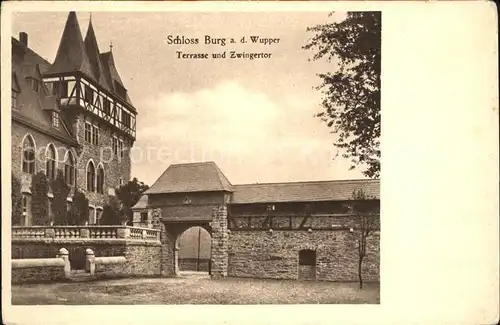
192,177
109,61
93,54
71,55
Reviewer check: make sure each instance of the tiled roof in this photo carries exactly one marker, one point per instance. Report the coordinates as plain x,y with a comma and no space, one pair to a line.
33,108
141,204
193,177
303,191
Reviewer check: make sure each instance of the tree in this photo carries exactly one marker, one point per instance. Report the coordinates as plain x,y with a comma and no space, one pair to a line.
79,212
39,199
111,213
17,201
60,189
351,94
364,209
129,194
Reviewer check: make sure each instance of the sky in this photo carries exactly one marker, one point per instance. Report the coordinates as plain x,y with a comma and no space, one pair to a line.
254,118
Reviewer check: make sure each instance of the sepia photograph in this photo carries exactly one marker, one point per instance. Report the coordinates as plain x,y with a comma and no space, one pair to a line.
196,158
250,162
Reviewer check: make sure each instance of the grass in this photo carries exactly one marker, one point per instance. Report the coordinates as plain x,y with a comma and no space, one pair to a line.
194,290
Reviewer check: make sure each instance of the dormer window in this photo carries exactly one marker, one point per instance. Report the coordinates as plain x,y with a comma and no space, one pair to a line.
55,119
271,207
187,200
34,85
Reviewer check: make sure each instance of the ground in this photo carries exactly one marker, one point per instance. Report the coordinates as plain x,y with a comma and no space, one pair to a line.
192,288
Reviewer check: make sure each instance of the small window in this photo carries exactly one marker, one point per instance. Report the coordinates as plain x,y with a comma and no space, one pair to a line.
95,135
55,119
121,148
271,207
88,132
144,217
121,181
89,95
106,106
307,257
115,145
62,88
187,200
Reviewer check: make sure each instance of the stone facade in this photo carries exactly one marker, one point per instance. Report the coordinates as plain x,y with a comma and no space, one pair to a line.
265,254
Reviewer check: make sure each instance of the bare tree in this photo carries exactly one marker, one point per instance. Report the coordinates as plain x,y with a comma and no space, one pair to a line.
364,209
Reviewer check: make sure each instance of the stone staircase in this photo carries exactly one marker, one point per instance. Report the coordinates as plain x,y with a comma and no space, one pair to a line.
80,276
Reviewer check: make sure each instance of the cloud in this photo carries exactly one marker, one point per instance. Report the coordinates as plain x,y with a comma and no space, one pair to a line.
251,135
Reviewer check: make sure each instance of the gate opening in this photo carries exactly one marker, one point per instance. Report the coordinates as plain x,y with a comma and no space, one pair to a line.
194,254
307,264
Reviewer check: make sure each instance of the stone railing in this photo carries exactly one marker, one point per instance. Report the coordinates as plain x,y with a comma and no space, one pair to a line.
85,232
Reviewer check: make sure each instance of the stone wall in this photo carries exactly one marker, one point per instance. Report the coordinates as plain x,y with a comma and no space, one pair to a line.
38,274
264,254
143,258
220,237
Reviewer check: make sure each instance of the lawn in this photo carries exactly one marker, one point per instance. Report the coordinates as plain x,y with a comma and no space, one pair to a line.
194,289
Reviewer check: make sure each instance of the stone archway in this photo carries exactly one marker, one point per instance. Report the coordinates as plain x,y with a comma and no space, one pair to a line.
171,230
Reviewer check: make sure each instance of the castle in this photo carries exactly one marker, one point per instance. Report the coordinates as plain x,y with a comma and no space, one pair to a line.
74,115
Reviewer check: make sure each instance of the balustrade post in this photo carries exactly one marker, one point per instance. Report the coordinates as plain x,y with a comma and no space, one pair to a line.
144,234
64,254
90,261
123,232
50,233
84,232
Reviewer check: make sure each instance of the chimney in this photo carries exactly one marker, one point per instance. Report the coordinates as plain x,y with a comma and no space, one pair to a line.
23,38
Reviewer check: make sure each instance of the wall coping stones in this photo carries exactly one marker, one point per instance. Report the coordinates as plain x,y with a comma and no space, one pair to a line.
37,262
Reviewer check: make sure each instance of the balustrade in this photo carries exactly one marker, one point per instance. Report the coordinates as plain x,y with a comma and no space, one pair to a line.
85,232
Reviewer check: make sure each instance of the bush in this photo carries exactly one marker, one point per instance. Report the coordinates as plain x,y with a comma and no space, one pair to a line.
39,199
17,201
79,212
59,203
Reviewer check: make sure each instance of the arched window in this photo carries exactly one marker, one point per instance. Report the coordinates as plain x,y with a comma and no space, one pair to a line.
69,168
100,179
50,162
307,257
90,177
28,157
